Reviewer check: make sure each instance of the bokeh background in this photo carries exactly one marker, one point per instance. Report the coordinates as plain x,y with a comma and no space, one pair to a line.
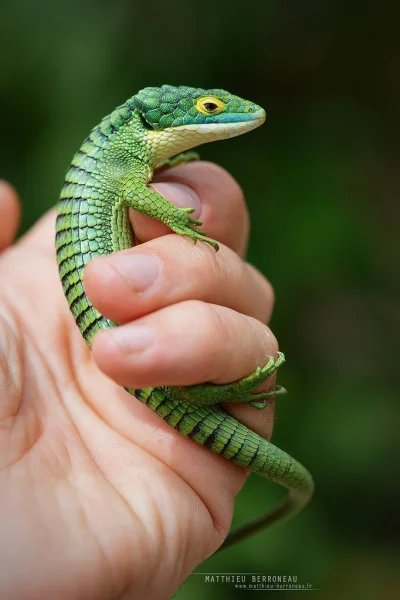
322,182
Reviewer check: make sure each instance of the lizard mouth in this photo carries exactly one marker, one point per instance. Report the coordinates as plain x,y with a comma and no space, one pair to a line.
258,115
220,130
173,140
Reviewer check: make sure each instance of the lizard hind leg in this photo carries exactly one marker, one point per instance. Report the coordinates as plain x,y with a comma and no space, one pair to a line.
238,391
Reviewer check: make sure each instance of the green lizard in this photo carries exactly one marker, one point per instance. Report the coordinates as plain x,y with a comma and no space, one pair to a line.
108,175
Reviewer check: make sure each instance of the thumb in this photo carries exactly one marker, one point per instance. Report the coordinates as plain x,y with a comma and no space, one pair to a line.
9,214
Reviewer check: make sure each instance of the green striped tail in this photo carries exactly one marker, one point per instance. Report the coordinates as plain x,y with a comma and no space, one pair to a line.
212,427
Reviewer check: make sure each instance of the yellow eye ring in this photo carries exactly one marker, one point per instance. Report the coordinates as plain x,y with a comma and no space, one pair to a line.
210,105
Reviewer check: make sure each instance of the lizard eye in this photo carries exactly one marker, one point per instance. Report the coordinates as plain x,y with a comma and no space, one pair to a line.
210,105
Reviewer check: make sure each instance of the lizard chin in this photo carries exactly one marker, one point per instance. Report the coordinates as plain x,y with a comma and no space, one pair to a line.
173,140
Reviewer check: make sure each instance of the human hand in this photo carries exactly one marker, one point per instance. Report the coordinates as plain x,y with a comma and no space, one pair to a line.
101,498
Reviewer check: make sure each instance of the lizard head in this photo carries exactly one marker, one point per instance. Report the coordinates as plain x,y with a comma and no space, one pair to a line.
179,118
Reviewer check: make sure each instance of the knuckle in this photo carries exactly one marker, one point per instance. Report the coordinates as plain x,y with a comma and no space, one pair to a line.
270,343
264,290
220,274
263,339
222,182
210,320
218,324
213,170
211,269
267,301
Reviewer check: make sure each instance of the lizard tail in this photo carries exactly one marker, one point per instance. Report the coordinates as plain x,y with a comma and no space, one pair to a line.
214,428
285,471
289,506
271,462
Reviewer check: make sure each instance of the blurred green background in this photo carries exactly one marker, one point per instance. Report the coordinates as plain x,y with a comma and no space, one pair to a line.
322,182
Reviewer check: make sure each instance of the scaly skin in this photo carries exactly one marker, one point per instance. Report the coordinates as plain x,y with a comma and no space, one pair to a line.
109,175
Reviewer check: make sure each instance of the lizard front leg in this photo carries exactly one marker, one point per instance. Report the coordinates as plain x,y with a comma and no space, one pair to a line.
150,203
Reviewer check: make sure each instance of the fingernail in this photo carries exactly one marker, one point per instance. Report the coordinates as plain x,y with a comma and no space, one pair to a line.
140,270
133,338
179,195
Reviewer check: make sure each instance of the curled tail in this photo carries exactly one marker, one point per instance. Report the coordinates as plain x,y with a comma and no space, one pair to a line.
212,427
275,464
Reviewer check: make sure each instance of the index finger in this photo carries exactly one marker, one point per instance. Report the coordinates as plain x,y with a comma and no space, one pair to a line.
217,198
